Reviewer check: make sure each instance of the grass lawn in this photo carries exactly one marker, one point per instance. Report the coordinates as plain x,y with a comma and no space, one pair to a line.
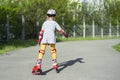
81,38
117,47
18,44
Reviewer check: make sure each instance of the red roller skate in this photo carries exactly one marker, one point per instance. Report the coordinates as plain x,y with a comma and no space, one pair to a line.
55,66
36,70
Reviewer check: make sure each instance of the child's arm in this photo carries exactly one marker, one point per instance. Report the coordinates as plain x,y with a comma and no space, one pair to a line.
61,30
64,33
40,36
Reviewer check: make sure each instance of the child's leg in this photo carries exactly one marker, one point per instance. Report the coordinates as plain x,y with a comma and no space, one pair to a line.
54,55
53,51
41,53
37,68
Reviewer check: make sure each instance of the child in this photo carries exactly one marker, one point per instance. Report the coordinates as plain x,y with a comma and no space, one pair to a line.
47,37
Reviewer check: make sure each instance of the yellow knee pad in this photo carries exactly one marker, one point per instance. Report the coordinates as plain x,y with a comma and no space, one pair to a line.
41,54
42,51
54,56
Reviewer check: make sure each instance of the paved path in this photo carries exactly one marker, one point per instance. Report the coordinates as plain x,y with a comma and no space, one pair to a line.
78,60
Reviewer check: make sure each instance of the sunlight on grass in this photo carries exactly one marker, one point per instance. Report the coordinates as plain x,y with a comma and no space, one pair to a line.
9,48
117,47
81,38
17,44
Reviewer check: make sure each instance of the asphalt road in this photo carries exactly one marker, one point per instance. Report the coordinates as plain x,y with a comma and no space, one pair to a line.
78,60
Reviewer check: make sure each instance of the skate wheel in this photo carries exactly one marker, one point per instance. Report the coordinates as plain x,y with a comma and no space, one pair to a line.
57,71
37,72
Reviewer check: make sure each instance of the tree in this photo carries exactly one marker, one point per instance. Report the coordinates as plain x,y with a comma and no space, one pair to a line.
84,12
92,8
24,14
112,12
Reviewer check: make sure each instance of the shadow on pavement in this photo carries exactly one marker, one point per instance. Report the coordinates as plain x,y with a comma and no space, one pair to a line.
69,63
65,64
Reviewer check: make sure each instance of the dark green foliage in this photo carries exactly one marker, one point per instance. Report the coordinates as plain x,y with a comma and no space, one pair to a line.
33,10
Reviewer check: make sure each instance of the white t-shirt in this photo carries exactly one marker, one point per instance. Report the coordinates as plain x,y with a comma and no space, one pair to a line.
49,27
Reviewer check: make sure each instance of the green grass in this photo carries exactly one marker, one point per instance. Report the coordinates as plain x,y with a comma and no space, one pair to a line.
117,47
16,44
87,38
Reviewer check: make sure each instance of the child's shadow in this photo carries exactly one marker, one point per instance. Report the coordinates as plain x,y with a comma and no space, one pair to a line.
64,65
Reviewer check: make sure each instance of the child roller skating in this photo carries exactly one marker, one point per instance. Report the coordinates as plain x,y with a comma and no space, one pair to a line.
47,37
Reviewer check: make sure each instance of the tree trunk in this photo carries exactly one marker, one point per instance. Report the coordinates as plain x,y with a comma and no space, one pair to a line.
74,26
37,31
102,30
23,28
110,30
84,27
93,28
102,22
117,29
74,33
8,28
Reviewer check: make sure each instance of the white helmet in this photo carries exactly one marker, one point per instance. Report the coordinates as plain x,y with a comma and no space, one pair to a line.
51,12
